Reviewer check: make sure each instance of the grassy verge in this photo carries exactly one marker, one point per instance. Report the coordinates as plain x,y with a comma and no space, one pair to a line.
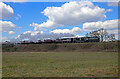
62,64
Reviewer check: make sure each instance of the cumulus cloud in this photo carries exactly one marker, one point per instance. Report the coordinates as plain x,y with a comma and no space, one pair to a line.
6,26
33,33
110,25
72,13
74,31
5,11
11,32
30,35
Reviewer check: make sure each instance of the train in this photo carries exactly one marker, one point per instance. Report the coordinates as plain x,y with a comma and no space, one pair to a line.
66,40
80,39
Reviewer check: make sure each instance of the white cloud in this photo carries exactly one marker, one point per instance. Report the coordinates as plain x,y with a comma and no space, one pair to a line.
109,2
5,11
11,32
36,26
3,38
114,31
13,0
109,10
38,35
75,30
110,25
18,16
113,4
33,33
78,36
72,13
106,0
6,26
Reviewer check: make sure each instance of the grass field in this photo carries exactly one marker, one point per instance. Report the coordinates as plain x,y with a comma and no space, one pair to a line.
61,64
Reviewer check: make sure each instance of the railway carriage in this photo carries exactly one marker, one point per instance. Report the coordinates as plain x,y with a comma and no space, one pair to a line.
80,39
67,40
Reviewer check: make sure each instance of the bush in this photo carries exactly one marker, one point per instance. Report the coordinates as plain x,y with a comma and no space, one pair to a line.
71,47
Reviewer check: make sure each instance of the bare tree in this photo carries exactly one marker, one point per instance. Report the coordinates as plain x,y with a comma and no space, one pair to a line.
102,34
87,35
112,37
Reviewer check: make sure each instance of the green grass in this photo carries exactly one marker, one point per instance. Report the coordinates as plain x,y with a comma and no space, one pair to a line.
61,64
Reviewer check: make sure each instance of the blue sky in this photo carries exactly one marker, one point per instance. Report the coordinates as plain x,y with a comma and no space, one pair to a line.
31,12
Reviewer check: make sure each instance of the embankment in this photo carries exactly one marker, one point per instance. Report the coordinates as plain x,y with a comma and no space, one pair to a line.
63,47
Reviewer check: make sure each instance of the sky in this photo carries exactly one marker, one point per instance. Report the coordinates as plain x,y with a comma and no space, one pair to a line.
37,20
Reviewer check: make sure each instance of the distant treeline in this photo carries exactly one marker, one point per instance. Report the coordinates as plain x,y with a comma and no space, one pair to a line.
65,47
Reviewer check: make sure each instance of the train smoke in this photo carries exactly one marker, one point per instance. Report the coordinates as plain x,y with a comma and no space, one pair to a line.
35,36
